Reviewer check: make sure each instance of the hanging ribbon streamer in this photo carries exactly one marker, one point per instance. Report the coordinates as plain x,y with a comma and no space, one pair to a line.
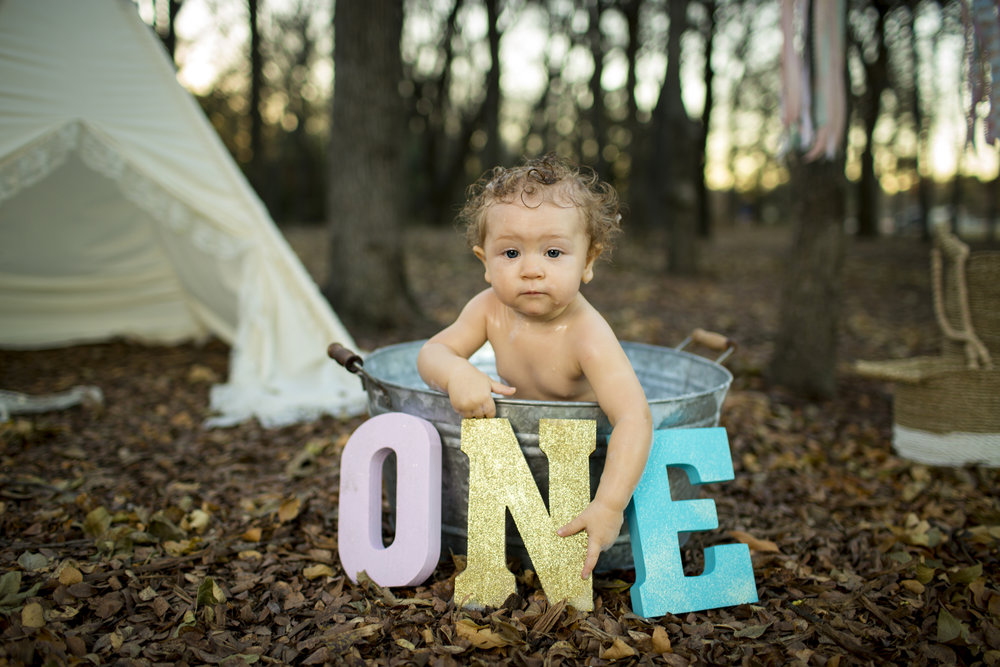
982,46
814,90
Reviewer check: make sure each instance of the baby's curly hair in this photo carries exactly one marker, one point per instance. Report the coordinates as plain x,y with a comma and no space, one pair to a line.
545,179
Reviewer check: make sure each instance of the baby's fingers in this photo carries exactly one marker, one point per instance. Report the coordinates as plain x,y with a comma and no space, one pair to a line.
486,410
502,389
593,553
571,528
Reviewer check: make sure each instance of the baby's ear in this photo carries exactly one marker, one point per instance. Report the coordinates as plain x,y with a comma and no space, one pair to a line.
481,254
595,251
592,255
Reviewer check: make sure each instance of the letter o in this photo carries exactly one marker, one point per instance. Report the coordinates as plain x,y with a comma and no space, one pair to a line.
414,552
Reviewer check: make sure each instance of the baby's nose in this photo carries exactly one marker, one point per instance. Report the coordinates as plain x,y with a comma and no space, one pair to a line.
531,267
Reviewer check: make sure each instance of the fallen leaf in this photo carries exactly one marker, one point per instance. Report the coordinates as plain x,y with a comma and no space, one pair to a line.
182,547
755,544
480,636
76,645
63,614
81,590
202,374
950,628
661,640
209,593
289,509
618,650
293,600
108,605
160,606
751,631
10,584
32,615
196,521
251,535
69,575
97,522
116,639
163,528
32,562
966,575
317,571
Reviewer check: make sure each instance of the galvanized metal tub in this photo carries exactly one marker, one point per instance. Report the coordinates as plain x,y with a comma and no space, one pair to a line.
684,390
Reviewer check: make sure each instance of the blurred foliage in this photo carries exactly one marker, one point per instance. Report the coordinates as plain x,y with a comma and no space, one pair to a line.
550,53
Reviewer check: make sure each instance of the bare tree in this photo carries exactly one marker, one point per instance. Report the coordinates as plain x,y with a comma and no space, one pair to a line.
597,112
874,56
805,347
168,33
704,214
674,145
366,204
256,94
491,104
805,353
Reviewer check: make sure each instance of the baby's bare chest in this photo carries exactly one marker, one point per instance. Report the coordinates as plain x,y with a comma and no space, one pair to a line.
541,367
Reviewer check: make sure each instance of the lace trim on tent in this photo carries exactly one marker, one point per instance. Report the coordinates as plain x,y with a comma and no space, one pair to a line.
38,160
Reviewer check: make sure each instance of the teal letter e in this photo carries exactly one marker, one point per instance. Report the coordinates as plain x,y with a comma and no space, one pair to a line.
655,519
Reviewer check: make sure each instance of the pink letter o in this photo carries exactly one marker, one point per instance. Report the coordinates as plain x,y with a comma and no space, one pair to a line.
414,552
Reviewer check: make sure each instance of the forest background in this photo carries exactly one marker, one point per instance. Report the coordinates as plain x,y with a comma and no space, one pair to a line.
485,83
374,118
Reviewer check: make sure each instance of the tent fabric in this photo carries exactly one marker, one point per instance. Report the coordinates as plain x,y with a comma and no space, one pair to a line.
122,214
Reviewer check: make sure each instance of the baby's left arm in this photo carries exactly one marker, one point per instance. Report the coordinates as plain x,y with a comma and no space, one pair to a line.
622,399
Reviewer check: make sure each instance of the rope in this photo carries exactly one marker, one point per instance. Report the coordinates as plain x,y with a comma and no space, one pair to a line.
976,354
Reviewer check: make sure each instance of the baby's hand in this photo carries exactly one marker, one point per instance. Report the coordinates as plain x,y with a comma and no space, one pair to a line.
602,525
471,393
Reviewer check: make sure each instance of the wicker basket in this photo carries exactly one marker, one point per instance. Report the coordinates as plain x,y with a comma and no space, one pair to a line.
947,408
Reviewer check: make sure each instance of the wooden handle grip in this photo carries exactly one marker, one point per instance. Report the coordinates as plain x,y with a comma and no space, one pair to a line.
712,340
346,357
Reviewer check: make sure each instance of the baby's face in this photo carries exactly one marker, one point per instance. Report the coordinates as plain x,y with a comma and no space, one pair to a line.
536,258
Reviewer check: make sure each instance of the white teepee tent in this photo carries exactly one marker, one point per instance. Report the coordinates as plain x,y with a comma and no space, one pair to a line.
122,214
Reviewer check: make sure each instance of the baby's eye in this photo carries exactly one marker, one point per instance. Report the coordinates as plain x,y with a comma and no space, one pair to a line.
553,253
511,254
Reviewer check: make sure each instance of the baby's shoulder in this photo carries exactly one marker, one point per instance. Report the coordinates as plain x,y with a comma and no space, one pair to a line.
482,303
591,333
588,321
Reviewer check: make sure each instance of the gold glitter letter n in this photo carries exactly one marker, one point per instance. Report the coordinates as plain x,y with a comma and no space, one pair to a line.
499,478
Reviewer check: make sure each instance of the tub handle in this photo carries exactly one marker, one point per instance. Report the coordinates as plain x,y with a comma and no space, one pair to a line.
711,340
354,363
346,357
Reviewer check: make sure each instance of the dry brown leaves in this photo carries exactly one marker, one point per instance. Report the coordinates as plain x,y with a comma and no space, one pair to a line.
133,536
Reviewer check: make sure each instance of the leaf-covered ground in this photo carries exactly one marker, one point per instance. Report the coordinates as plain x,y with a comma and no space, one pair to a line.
129,534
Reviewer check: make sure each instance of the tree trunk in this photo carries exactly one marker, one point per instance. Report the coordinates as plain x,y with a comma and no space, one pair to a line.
676,145
805,352
169,35
596,90
256,92
704,210
366,201
923,191
491,105
635,194
876,81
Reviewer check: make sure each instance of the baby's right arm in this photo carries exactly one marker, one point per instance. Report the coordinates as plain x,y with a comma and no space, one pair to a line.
444,364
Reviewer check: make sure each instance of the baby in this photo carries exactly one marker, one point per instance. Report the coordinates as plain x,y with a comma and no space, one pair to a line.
538,229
